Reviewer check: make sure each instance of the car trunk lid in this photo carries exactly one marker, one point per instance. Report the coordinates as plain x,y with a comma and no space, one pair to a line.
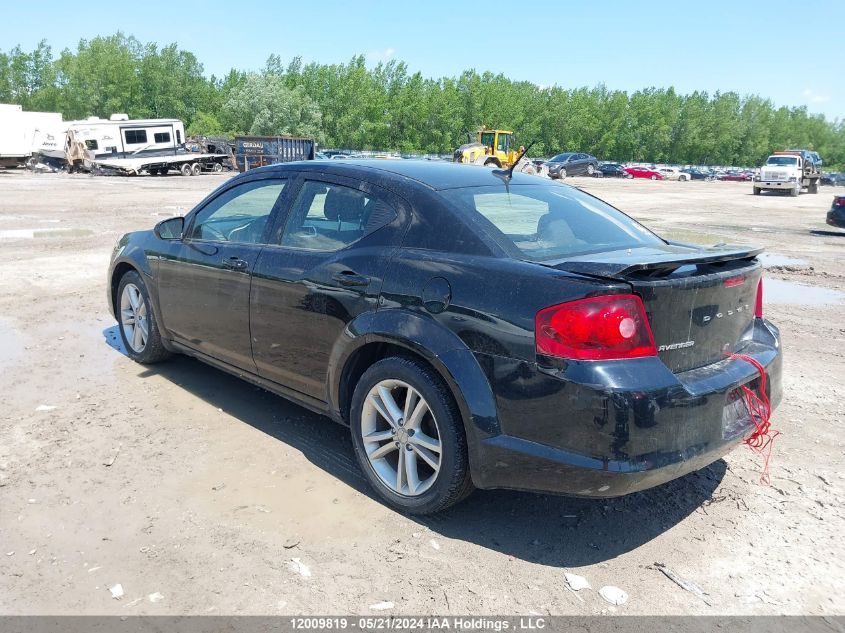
699,301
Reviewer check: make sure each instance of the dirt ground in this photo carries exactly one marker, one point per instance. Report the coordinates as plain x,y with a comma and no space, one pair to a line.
201,494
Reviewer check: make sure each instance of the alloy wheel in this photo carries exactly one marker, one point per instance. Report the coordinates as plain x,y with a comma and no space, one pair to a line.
401,438
133,318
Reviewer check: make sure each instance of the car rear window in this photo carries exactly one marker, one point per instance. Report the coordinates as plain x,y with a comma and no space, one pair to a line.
551,221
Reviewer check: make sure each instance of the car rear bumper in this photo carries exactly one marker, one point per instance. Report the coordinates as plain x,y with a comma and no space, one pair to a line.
596,429
836,218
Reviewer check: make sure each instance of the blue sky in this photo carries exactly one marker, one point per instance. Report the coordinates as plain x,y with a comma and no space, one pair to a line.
748,47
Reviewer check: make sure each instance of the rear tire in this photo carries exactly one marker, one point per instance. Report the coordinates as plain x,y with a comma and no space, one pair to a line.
396,388
813,187
218,167
196,169
185,169
137,322
757,191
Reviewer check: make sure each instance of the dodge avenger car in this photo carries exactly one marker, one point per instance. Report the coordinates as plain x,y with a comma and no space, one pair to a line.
473,328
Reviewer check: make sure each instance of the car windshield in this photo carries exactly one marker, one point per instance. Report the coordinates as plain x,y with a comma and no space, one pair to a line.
552,221
782,160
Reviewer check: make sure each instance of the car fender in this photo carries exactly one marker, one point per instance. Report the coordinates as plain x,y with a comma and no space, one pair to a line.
441,348
127,253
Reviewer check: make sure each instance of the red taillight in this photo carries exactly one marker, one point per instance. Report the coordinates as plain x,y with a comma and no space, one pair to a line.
598,328
839,202
758,306
734,281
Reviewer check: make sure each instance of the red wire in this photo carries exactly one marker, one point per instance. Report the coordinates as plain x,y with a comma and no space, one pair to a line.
760,408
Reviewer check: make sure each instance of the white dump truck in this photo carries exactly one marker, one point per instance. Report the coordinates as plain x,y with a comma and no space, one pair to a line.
790,170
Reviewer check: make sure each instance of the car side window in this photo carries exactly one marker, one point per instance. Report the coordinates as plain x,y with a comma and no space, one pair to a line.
239,214
329,217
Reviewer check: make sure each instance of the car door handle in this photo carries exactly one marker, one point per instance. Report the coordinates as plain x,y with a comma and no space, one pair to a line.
349,278
235,263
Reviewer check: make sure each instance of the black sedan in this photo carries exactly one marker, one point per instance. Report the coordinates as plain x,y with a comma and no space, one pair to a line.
832,179
472,327
610,170
572,164
836,215
698,174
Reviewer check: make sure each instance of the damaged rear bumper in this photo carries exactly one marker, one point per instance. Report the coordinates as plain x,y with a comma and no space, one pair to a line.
606,429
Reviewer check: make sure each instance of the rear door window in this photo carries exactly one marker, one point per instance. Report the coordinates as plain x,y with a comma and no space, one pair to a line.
328,216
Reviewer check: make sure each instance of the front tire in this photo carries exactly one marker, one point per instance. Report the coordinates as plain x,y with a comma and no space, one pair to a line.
409,437
757,191
590,169
137,323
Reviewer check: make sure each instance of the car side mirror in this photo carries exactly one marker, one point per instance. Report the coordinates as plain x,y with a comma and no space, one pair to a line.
170,229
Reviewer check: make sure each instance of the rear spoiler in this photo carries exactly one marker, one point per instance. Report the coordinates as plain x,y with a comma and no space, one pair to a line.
604,266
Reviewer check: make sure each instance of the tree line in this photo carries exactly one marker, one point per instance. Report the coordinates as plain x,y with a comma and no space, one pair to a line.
387,107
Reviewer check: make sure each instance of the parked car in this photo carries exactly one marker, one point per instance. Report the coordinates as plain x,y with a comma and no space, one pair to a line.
736,176
472,330
836,215
698,174
832,179
610,170
572,164
673,173
644,172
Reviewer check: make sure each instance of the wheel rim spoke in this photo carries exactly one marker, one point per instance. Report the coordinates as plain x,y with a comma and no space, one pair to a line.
379,406
400,469
381,451
417,415
137,338
411,472
428,457
411,400
390,404
426,442
379,436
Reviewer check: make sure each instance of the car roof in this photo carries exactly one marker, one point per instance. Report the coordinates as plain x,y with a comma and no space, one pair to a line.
435,175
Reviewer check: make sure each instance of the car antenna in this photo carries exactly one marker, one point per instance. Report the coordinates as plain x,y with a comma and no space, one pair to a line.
506,174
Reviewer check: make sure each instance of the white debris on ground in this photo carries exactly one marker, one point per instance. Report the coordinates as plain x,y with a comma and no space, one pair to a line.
576,582
613,595
296,565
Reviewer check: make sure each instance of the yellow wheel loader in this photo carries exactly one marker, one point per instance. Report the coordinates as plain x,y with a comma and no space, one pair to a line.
495,149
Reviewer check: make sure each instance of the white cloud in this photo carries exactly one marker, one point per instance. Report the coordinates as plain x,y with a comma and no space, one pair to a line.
381,56
814,97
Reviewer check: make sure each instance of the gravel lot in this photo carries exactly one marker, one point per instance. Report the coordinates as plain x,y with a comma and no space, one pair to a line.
182,481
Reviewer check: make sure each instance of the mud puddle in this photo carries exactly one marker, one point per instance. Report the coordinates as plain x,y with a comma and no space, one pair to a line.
11,345
776,259
34,234
777,291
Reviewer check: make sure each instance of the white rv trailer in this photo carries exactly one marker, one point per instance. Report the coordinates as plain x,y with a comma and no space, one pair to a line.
22,133
129,146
